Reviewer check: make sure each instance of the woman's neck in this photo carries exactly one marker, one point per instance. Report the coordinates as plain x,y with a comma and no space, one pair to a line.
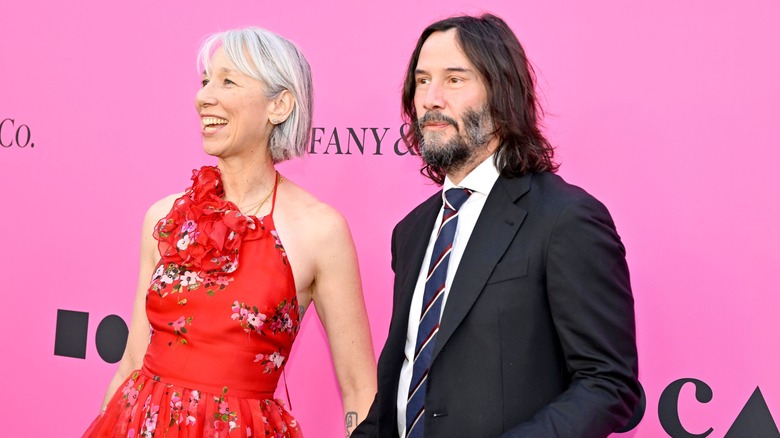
247,181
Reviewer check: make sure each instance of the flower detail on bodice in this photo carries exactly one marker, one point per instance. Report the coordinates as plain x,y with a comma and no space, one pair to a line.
203,232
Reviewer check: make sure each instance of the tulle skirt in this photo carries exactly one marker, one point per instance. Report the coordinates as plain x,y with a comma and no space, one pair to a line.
147,407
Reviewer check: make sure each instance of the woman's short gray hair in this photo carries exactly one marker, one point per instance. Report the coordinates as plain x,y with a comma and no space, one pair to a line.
279,65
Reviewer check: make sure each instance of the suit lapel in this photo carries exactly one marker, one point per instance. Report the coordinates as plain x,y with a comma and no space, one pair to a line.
495,228
411,258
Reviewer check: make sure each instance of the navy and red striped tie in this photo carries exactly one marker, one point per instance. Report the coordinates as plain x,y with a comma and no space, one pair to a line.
431,310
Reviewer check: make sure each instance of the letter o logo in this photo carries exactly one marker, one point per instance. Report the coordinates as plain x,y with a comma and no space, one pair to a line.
111,338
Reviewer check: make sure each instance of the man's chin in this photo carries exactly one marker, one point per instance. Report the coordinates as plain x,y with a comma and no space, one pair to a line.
436,138
438,159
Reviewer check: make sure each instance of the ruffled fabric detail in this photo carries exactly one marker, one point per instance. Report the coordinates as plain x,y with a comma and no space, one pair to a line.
146,407
203,232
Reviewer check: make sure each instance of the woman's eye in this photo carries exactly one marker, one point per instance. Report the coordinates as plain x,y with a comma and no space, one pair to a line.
229,82
204,82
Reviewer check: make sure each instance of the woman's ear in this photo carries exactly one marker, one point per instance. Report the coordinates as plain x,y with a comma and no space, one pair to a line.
281,107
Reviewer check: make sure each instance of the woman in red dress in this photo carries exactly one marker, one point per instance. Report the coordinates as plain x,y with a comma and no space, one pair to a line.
229,270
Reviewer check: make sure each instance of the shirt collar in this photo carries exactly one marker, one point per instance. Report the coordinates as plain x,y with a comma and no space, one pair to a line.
480,180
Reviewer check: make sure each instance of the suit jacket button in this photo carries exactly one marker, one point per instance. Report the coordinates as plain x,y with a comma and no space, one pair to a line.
439,414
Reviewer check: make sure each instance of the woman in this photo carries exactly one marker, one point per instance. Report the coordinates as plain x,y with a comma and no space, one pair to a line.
234,264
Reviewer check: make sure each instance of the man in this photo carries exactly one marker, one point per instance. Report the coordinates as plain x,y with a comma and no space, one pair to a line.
512,308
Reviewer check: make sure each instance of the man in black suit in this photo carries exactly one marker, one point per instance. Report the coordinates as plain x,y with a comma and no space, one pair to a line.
533,329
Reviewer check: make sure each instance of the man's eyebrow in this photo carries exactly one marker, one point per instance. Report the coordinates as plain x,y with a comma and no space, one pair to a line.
419,71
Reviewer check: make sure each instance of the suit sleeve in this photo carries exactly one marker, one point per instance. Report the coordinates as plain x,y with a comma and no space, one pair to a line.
368,427
592,308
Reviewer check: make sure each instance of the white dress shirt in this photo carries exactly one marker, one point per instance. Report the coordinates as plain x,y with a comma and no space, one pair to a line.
480,181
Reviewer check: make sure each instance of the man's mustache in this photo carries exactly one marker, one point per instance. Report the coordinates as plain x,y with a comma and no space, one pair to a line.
436,117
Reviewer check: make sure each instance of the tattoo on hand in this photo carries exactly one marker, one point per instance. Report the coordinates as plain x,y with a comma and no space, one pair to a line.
351,421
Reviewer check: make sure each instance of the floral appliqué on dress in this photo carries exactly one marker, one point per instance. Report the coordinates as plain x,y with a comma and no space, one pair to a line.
179,328
224,418
278,242
270,362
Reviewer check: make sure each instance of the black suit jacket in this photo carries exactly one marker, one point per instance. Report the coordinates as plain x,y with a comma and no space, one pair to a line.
537,337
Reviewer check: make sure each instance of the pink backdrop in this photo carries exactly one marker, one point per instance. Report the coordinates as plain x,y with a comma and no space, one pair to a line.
666,111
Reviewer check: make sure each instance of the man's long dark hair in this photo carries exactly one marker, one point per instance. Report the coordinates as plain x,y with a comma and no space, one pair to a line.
493,49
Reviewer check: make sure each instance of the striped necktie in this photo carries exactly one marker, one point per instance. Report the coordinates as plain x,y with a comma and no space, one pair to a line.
430,314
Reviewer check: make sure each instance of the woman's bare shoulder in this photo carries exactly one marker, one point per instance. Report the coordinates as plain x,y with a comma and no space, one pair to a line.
312,213
160,208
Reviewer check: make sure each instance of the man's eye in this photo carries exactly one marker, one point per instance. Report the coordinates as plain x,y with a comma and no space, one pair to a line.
423,81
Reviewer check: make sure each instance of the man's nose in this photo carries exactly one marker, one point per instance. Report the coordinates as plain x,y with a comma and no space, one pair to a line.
433,99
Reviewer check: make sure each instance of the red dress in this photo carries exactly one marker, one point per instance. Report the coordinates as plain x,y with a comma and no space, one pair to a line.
222,327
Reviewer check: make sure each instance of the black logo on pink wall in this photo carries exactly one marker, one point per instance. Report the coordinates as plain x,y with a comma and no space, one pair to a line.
754,420
70,338
324,141
15,134
359,141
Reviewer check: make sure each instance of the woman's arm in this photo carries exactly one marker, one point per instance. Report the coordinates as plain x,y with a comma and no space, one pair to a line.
338,299
138,335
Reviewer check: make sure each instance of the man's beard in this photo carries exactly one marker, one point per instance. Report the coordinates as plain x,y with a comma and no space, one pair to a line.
453,154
